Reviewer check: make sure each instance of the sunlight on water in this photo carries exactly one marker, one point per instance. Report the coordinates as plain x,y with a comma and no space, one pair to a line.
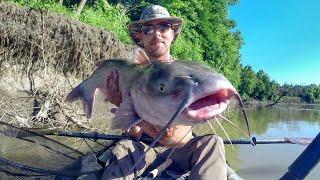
272,160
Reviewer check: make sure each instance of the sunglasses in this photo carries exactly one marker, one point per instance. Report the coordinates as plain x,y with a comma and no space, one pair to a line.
149,28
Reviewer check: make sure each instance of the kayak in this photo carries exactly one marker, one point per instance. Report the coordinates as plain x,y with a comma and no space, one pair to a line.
26,153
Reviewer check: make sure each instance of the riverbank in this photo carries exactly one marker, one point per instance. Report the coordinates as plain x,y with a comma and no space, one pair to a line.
42,56
287,104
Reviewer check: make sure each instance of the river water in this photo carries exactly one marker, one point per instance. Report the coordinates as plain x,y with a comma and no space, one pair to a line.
259,162
269,161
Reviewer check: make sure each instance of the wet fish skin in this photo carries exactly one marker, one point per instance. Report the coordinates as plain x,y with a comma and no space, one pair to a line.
98,79
158,107
157,90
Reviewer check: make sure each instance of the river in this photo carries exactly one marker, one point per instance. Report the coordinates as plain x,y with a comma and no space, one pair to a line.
250,162
269,161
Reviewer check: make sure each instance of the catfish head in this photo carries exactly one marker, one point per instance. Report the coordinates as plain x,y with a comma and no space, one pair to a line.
199,93
179,92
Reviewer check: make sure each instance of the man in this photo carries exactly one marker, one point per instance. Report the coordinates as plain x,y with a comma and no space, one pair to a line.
203,157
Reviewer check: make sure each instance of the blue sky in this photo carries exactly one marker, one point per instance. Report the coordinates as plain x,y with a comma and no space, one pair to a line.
281,37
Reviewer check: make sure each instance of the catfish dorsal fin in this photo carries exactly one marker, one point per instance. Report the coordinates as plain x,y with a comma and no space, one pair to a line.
140,57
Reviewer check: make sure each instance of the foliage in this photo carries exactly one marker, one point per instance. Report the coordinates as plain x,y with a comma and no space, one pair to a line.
310,93
108,17
264,87
248,82
45,4
307,94
208,36
97,13
207,33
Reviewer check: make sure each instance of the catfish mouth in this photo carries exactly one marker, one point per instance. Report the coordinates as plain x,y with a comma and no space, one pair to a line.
209,106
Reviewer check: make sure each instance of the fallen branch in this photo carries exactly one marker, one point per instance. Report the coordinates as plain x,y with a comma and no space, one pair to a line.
283,94
70,117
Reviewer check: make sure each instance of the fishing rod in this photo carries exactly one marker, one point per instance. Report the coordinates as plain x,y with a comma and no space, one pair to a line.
97,136
307,160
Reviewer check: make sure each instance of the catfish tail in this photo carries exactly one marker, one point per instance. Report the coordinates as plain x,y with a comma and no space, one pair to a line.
98,79
85,93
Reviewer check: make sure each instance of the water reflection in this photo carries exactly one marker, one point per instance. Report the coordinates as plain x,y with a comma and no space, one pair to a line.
268,161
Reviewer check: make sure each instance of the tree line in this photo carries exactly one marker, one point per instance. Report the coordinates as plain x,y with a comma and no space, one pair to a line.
259,86
208,36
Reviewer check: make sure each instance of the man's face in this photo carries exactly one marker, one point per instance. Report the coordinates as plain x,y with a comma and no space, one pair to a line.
157,37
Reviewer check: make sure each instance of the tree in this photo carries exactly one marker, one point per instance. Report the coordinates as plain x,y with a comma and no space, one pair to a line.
208,33
80,6
264,88
248,82
310,93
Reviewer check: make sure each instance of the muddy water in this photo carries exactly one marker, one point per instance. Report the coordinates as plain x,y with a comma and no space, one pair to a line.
260,162
269,161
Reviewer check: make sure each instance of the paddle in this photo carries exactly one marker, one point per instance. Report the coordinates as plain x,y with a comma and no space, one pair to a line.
95,136
307,160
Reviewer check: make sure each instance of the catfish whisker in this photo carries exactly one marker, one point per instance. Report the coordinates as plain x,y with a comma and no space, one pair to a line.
234,125
214,131
224,131
247,135
220,150
179,110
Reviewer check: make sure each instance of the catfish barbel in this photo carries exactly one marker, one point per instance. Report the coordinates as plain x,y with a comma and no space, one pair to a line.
162,93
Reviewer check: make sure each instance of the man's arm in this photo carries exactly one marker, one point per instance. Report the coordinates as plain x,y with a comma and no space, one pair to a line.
176,136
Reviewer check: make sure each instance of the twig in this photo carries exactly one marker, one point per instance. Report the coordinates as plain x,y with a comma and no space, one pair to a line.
283,94
70,117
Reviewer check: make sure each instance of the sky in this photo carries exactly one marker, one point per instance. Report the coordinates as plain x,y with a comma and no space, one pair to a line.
281,37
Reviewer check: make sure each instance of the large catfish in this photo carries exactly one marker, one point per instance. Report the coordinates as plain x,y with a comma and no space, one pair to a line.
172,93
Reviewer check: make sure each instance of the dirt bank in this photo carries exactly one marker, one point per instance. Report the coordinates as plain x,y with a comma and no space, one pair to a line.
42,56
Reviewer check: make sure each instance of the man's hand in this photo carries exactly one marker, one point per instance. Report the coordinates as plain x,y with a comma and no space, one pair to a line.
135,132
174,137
113,93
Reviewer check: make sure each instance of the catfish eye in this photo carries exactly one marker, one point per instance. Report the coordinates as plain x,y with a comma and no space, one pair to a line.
162,88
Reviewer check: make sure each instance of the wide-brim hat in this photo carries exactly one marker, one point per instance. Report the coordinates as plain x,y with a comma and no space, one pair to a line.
154,12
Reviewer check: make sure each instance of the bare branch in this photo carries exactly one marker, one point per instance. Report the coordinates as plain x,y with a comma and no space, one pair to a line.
80,6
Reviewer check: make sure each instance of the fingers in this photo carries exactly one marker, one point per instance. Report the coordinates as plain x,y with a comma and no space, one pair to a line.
113,93
113,110
112,81
135,132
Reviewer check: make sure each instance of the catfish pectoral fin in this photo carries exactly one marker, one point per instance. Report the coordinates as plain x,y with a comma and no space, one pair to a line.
125,116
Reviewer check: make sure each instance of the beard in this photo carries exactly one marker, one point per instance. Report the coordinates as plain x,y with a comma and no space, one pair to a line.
157,50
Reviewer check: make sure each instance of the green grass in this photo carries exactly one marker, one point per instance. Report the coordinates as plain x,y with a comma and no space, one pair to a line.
101,15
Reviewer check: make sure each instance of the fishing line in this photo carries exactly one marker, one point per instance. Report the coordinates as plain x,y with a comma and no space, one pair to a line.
13,131
154,173
234,125
179,110
243,112
220,150
215,118
89,146
173,149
